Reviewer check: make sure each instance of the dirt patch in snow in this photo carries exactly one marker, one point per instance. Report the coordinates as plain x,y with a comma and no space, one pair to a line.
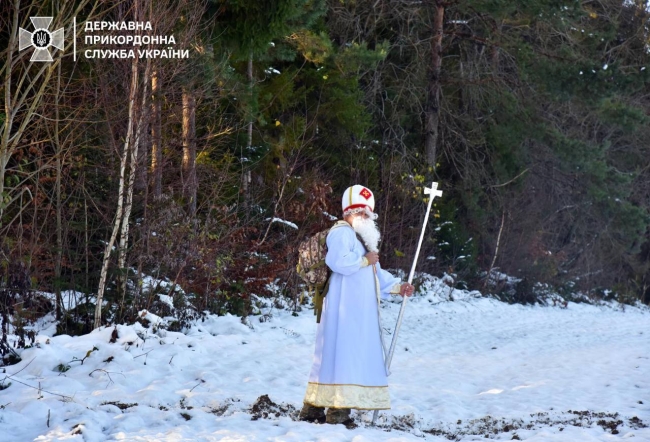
265,408
490,427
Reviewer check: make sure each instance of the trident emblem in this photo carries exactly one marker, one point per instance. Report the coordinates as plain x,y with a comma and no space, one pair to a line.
41,39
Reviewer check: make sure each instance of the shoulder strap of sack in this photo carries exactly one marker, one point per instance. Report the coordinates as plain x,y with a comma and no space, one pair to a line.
340,223
343,223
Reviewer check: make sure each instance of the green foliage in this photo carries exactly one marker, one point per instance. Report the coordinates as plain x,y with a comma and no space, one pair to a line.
507,134
457,250
62,368
543,123
313,47
249,26
619,114
606,187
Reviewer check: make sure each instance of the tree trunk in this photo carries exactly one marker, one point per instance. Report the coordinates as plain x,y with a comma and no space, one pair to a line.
5,153
138,132
120,199
246,175
494,49
432,108
189,150
133,167
156,137
57,189
86,242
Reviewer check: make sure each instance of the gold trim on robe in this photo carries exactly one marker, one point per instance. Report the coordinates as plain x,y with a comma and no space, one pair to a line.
359,397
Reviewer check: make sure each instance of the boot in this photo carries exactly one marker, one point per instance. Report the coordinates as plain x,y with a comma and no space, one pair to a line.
339,416
309,413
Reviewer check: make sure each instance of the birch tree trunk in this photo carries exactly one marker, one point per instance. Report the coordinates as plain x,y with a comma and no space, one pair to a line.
133,167
156,137
120,199
432,109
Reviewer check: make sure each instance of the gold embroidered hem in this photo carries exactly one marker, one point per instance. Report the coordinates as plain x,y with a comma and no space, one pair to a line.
347,396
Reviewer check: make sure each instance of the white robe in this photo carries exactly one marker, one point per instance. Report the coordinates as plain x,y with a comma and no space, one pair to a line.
348,369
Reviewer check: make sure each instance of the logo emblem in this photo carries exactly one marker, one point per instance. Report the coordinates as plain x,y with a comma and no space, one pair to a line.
365,193
41,39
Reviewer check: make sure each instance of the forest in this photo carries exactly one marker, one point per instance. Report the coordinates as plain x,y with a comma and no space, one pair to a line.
206,153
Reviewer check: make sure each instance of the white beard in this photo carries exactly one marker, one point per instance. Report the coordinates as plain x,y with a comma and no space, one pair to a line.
368,231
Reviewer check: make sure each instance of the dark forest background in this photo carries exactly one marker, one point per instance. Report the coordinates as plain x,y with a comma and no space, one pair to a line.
531,114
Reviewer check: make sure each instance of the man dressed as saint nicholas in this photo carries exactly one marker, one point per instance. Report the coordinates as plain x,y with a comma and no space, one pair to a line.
348,369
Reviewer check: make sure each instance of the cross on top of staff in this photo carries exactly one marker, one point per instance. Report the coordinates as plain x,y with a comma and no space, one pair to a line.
433,191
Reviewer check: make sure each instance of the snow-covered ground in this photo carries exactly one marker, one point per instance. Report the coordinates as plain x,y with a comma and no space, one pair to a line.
467,369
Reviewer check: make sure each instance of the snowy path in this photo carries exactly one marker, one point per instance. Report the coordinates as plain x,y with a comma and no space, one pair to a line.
462,369
514,361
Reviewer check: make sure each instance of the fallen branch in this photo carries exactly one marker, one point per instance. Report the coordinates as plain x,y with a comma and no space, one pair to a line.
201,382
108,373
88,353
67,398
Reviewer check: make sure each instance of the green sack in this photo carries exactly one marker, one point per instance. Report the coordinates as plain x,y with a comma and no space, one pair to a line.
312,268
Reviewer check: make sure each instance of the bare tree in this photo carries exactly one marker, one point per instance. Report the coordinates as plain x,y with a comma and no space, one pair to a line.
119,213
432,107
24,96
145,109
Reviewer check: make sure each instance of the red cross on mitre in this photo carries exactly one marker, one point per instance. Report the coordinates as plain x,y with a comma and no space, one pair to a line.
365,193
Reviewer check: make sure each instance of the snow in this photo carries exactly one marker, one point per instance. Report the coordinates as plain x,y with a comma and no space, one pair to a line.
282,221
472,368
70,298
106,243
154,319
